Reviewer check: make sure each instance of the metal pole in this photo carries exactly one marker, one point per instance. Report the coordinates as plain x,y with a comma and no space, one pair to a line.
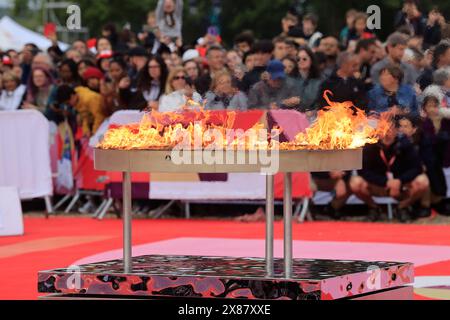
127,254
287,225
269,225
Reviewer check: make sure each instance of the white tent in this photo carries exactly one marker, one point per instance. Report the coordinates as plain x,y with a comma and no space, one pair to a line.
14,36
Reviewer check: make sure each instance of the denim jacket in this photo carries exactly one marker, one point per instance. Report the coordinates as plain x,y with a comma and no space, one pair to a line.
405,99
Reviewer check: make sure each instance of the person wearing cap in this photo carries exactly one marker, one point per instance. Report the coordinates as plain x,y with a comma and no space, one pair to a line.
277,91
92,78
190,54
103,60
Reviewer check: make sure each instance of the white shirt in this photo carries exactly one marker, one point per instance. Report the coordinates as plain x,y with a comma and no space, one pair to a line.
10,101
176,101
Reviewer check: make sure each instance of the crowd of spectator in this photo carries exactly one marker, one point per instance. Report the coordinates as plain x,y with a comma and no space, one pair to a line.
407,74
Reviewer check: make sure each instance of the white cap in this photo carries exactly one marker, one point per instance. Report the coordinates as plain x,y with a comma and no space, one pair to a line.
190,55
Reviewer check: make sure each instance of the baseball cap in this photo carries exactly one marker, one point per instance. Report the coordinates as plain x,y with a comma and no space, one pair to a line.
190,54
276,70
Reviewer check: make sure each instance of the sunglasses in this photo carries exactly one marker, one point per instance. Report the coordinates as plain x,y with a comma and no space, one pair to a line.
179,78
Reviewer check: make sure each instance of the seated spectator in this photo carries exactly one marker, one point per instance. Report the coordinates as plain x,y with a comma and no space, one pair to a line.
343,84
262,55
415,57
103,60
441,90
428,151
40,87
336,182
433,30
359,29
391,168
329,47
309,80
396,46
13,92
279,48
391,94
411,17
216,63
243,42
290,67
192,69
276,92
441,59
224,95
366,50
310,34
179,92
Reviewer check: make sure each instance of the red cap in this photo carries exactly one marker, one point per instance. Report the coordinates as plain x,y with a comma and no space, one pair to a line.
7,61
92,72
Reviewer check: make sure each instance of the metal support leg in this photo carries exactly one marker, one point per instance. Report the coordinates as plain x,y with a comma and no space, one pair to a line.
187,210
105,208
390,211
48,205
304,211
73,202
62,201
288,225
269,224
127,245
100,208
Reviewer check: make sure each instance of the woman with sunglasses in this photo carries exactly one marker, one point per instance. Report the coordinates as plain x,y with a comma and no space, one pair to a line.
309,79
179,92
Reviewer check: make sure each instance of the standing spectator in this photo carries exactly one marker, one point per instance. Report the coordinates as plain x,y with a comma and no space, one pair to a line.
138,61
150,32
40,87
396,46
441,90
277,92
287,23
391,94
92,78
411,17
83,65
81,47
13,92
169,17
68,72
391,168
103,44
29,51
262,55
366,50
109,88
178,93
343,84
309,79
224,96
415,57
310,33
441,59
151,82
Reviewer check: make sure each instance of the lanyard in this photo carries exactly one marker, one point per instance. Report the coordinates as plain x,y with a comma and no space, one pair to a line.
388,164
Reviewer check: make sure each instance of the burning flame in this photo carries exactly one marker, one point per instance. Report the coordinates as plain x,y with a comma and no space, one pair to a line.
341,126
338,126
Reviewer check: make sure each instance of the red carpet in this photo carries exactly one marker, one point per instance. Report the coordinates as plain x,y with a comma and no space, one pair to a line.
60,241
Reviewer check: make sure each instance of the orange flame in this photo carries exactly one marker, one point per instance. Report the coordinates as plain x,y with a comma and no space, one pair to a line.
338,126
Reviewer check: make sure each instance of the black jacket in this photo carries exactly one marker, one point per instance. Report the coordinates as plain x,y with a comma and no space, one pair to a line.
350,89
251,78
406,167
